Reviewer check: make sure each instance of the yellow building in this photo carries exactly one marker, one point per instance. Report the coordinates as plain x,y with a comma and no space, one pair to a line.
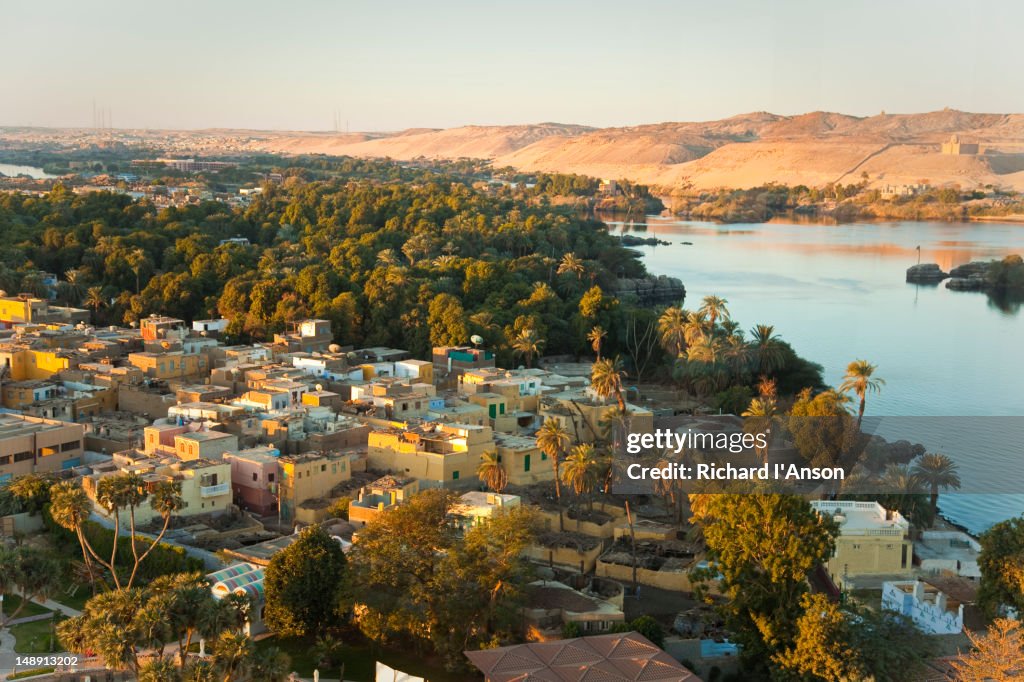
205,485
310,476
24,363
872,540
175,365
25,309
448,455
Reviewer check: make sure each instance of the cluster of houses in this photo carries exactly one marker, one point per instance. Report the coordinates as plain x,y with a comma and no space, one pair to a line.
279,434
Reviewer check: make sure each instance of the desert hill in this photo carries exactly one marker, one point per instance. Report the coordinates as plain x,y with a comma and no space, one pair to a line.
742,151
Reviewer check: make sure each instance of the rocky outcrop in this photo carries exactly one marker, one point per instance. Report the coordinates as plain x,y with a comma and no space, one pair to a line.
651,290
925,273
968,270
971,276
972,283
633,240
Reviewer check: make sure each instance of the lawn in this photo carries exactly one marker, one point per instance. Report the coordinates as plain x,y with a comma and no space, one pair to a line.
359,661
13,601
76,600
34,637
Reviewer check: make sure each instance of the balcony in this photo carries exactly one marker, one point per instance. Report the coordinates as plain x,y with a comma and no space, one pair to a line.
214,490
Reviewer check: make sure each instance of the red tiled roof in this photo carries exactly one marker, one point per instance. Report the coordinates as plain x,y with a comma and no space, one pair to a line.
628,657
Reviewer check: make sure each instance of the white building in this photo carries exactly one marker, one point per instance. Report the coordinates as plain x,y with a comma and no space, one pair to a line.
930,609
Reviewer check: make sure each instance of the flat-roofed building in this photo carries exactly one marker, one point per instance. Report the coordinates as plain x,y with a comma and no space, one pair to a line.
204,444
872,540
26,308
37,445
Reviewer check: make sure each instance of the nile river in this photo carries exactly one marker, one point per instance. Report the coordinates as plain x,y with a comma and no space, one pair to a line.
838,293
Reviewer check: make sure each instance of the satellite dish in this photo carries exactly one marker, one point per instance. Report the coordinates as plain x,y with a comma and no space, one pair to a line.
476,339
319,387
334,348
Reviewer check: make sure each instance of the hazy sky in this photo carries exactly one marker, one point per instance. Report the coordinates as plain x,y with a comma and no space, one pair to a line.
387,65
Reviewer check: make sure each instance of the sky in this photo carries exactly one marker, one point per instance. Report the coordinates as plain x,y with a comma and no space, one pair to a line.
393,64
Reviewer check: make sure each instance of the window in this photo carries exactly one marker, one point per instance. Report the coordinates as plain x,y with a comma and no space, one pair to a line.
455,475
22,456
501,408
5,460
255,476
526,463
492,410
903,562
323,468
855,546
543,456
70,445
270,477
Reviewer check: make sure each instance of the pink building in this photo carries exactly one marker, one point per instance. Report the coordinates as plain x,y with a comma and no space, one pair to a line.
254,478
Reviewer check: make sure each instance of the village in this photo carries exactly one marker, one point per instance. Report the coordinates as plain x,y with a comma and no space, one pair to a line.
264,439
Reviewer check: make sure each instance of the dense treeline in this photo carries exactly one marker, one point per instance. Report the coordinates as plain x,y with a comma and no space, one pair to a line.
391,255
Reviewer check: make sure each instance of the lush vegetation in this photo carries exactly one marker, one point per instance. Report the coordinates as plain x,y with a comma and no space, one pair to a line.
847,202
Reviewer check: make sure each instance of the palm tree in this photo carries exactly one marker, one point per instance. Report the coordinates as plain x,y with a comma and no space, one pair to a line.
553,440
70,508
737,355
578,472
233,653
898,479
527,344
937,471
162,669
767,348
672,330
714,307
697,328
596,336
166,500
94,300
860,379
606,379
491,473
759,417
387,257
270,664
571,263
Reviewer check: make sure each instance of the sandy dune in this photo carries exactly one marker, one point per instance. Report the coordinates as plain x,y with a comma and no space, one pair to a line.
742,151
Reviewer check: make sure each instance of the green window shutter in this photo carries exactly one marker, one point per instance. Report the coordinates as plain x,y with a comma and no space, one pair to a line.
455,475
526,463
492,410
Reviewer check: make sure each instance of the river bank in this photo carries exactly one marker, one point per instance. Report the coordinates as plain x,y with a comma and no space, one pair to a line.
837,292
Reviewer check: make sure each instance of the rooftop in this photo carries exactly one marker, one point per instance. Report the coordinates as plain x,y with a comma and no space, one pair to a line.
610,658
863,518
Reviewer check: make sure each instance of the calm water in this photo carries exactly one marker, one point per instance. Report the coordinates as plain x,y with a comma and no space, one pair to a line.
838,293
12,171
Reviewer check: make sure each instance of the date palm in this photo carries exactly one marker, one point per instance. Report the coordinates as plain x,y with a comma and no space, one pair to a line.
70,508
528,344
606,380
767,349
860,379
596,336
697,328
714,308
553,440
94,301
672,330
937,471
579,471
759,417
491,473
571,264
899,479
